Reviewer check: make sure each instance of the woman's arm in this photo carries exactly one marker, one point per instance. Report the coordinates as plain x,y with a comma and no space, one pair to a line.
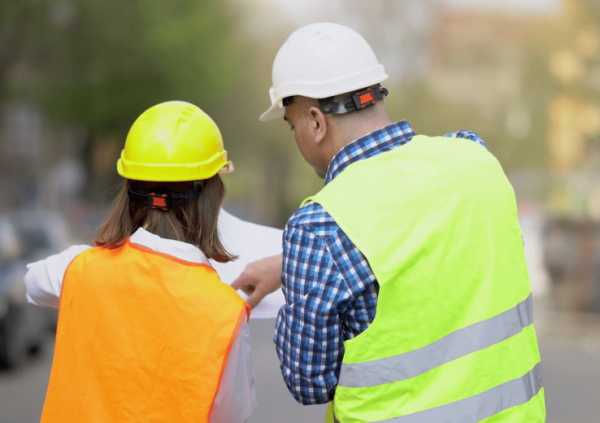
236,398
44,278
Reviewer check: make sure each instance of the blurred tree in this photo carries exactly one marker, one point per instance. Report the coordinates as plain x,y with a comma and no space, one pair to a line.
18,24
99,64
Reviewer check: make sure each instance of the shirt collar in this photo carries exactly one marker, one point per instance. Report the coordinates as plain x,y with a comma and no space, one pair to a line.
382,140
177,249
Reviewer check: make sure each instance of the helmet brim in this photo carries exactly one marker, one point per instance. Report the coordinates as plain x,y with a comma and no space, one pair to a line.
274,112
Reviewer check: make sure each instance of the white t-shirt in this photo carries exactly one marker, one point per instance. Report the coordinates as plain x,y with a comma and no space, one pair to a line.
236,398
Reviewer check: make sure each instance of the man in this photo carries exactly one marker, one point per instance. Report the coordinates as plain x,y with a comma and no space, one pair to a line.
407,294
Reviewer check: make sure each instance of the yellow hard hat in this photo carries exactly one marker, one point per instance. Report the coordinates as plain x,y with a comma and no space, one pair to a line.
173,141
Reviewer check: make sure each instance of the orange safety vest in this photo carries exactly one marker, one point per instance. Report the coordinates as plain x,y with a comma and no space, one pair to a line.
142,337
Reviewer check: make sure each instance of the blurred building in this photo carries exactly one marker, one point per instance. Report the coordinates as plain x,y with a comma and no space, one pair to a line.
533,78
477,60
42,168
22,162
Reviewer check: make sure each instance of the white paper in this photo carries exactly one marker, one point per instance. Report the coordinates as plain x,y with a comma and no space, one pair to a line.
251,242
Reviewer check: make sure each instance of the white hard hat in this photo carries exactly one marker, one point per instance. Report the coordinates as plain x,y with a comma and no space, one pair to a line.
322,60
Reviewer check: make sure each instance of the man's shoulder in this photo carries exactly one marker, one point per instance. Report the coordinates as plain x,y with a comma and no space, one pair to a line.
312,217
470,135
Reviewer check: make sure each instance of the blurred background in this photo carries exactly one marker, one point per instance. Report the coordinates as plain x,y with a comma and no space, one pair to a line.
523,74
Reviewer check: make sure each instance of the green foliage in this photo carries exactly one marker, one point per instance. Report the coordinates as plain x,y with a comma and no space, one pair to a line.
19,23
101,63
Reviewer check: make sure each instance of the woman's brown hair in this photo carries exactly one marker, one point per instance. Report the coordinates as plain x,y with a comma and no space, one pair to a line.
194,223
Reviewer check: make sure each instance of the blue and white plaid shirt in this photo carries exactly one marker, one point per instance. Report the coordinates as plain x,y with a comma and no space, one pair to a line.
330,290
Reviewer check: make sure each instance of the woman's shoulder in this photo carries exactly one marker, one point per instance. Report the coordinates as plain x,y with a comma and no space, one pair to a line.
44,278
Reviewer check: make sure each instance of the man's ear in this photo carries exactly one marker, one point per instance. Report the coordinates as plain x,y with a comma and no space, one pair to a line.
318,124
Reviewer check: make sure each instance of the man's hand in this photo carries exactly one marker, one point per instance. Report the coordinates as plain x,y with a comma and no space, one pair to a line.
259,279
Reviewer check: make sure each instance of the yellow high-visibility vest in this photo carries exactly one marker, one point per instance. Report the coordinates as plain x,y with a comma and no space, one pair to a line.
453,338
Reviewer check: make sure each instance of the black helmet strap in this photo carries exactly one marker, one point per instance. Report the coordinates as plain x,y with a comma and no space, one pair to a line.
354,102
359,100
164,199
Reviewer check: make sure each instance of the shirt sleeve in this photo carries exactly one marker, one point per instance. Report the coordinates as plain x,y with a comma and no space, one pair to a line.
44,278
330,297
470,135
308,335
236,399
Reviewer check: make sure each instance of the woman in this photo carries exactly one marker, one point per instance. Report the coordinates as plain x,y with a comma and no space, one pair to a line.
147,332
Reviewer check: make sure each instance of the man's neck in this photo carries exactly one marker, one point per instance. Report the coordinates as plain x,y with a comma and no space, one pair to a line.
360,130
365,128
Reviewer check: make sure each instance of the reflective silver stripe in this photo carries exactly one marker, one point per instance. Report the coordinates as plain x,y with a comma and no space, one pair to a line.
454,345
478,407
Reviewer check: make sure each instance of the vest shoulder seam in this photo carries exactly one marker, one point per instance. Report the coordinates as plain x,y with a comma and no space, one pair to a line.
166,256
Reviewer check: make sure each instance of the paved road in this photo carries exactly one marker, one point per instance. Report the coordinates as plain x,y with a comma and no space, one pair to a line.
571,374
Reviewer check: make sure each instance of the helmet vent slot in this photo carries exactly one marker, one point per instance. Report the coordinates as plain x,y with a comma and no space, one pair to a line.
182,125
